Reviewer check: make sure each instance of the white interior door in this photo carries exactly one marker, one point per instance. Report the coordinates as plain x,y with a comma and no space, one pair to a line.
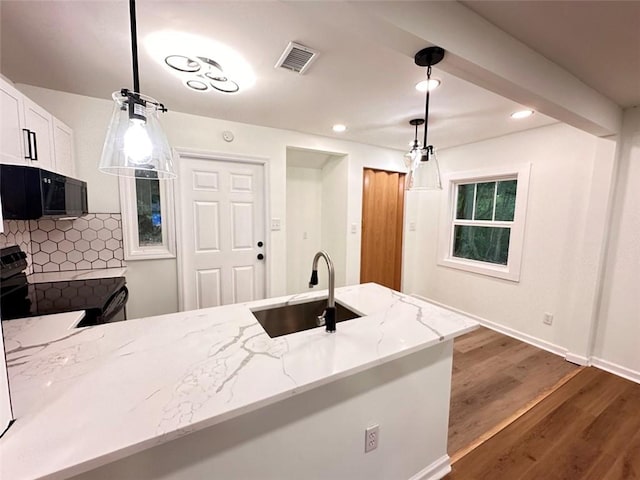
222,219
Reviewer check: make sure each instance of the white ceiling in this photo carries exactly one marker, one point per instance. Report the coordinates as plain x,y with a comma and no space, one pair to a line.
597,41
83,47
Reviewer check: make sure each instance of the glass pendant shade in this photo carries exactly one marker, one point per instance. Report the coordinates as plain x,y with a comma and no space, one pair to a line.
135,144
425,171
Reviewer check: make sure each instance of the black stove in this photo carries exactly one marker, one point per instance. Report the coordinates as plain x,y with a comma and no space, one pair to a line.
103,299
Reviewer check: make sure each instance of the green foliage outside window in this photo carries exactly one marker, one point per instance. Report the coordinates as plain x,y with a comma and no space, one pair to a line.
484,244
149,210
478,205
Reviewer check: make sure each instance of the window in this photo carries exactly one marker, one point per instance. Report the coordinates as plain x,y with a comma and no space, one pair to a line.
484,221
147,217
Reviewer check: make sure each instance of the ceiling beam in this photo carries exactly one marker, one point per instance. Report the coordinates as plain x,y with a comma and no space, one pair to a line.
480,53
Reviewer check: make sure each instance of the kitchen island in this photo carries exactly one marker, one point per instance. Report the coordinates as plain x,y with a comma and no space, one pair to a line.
208,394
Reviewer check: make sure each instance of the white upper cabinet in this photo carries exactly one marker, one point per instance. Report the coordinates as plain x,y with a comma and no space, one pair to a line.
39,122
32,136
63,148
12,137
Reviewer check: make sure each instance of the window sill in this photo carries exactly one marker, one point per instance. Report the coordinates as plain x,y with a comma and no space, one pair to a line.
499,271
148,254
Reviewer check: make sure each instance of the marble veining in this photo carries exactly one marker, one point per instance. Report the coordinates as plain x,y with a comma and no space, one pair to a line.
69,275
89,396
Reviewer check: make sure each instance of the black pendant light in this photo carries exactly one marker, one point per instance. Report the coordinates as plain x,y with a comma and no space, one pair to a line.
135,145
416,122
424,172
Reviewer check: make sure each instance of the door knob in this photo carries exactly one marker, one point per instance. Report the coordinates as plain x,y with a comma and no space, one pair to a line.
260,244
260,256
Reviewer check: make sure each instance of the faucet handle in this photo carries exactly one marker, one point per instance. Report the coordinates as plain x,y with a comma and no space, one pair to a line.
320,319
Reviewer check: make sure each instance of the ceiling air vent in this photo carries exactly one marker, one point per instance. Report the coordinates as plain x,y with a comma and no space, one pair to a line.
296,58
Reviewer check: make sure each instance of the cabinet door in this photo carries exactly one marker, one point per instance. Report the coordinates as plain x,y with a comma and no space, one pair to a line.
63,148
38,120
11,125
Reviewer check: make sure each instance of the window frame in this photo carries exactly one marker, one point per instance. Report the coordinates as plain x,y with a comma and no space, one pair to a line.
129,209
448,221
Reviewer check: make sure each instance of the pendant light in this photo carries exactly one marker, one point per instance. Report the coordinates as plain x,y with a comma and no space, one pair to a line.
424,172
135,145
414,155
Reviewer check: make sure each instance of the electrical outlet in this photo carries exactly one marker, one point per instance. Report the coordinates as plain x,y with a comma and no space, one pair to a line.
547,319
371,435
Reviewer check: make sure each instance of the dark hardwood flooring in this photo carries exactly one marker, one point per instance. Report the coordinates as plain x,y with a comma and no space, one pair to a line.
588,429
495,379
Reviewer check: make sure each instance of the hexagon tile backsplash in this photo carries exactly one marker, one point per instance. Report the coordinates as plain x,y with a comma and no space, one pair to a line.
88,242
16,232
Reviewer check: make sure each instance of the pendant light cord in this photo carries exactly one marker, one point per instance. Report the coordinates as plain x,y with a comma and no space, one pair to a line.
134,45
426,109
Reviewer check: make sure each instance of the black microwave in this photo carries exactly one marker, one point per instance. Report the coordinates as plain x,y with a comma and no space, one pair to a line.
28,193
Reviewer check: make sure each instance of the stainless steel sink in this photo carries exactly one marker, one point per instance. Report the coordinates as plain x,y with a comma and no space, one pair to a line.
278,321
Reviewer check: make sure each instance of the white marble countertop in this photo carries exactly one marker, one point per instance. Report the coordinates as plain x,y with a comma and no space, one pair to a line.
76,275
86,397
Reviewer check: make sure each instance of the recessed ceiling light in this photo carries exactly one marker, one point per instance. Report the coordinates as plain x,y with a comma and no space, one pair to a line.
338,128
522,114
433,84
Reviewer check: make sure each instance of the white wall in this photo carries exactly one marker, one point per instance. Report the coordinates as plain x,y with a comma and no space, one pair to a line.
304,211
617,342
89,118
335,174
568,194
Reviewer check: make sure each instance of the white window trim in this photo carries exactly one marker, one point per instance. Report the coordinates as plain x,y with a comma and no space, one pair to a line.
510,271
128,206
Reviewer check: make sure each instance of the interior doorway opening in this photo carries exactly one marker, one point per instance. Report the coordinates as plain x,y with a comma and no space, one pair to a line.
317,191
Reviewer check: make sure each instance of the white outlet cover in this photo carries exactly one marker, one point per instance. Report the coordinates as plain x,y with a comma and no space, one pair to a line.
371,437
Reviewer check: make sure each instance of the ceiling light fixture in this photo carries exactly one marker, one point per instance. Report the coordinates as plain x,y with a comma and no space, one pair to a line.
433,84
135,145
522,114
194,57
423,170
339,128
202,73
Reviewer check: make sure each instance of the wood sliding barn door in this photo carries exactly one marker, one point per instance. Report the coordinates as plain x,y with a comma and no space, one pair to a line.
382,222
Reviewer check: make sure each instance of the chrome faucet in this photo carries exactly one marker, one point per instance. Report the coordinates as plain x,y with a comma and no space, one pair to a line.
329,314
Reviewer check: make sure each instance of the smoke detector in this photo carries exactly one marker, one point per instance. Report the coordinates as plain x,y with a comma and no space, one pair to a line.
296,58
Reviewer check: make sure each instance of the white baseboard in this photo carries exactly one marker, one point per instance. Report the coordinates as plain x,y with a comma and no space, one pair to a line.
435,471
536,342
616,369
577,359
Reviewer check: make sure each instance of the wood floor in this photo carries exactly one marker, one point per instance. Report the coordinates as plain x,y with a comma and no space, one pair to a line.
495,378
588,429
